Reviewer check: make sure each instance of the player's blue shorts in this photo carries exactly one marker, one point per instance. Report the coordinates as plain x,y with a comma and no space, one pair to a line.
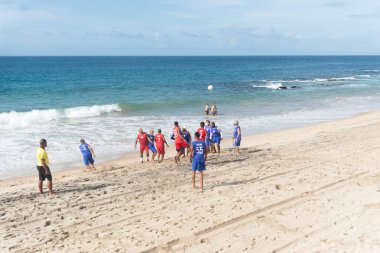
87,159
198,166
207,141
237,142
152,148
216,140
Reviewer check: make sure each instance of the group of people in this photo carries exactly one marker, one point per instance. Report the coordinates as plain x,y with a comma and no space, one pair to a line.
206,140
211,109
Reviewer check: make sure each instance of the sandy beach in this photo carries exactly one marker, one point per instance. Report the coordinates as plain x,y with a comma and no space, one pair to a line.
311,189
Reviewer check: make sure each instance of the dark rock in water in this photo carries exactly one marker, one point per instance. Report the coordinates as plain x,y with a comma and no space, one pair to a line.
294,87
282,88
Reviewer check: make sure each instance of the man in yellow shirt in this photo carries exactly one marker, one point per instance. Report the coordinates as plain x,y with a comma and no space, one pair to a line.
43,167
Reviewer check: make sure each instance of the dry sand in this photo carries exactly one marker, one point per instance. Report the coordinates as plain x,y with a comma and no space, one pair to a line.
313,189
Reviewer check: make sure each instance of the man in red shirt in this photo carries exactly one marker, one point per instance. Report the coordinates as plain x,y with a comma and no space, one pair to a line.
179,141
143,139
160,141
202,132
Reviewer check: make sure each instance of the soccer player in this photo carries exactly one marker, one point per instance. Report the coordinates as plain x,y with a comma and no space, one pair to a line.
186,134
160,141
202,131
237,137
198,158
151,144
216,137
179,141
88,154
43,167
208,136
143,139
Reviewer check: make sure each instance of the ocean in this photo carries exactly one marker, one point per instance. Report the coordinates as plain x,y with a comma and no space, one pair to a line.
106,99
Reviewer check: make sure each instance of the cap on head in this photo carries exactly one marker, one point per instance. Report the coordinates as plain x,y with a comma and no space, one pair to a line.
82,141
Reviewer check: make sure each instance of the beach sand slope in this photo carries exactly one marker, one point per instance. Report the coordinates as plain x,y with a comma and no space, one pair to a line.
313,189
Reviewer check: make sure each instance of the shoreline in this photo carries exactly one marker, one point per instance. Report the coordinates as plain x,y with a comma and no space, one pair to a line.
314,188
248,141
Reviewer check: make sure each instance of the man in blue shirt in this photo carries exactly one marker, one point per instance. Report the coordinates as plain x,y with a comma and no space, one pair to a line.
198,157
151,144
88,154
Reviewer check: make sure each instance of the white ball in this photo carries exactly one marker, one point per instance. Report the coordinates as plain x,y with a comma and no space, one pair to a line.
210,87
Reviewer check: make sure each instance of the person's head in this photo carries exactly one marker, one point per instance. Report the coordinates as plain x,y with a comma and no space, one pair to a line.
82,141
43,143
184,129
176,123
159,130
141,130
197,135
202,124
207,122
213,124
236,123
151,131
207,104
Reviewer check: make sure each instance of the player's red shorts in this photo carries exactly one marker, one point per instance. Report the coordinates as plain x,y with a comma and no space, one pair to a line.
144,148
180,143
161,150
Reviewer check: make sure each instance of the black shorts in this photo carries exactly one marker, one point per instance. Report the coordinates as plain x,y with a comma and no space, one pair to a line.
41,174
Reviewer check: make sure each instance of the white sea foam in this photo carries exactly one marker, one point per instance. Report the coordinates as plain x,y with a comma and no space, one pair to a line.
271,85
364,75
13,119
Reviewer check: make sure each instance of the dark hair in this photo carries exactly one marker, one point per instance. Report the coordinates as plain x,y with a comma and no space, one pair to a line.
82,141
202,124
212,123
159,130
208,121
196,134
176,123
42,141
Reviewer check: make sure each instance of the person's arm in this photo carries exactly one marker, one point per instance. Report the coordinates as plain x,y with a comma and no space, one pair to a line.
47,171
136,141
221,133
191,153
239,133
165,141
91,150
205,150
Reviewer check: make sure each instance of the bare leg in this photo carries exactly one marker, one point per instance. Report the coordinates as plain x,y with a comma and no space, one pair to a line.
201,180
40,186
153,156
193,179
162,157
142,158
50,187
218,148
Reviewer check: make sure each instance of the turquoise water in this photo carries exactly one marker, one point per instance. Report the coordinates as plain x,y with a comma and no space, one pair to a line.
105,99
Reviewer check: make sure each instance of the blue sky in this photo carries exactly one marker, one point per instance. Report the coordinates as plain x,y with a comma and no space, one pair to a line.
197,27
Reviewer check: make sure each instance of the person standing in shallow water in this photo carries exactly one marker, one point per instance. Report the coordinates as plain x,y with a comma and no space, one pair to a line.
43,168
207,109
